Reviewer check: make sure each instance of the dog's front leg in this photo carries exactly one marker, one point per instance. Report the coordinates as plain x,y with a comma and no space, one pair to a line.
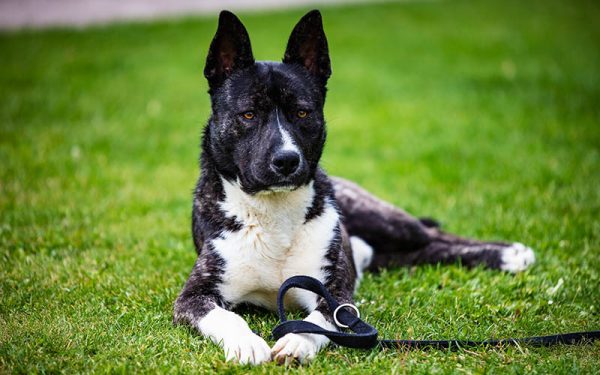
302,347
232,333
201,309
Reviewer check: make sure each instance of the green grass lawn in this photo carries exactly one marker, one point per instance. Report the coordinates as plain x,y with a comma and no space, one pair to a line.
485,115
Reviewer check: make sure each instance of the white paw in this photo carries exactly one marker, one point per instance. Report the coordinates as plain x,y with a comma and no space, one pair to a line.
300,347
517,257
247,348
232,333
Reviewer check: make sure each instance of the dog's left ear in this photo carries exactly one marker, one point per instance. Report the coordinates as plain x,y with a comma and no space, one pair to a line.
307,46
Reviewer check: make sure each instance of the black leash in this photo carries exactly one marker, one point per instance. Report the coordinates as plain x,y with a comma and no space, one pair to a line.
365,335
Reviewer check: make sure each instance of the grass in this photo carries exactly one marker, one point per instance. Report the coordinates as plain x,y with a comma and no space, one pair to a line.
485,115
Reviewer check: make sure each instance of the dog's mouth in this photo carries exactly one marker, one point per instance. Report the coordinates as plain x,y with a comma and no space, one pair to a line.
256,186
263,184
278,189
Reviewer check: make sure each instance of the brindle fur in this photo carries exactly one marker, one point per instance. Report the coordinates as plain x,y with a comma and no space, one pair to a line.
234,149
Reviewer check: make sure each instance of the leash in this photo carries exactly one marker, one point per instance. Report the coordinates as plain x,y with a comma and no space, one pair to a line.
364,335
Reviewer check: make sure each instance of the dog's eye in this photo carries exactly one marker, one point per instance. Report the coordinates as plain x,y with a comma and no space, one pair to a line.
301,114
248,115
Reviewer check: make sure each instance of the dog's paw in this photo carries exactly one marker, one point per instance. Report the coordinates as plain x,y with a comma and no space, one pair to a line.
295,347
247,348
516,258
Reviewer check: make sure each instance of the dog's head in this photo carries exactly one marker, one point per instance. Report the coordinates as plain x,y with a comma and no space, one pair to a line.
267,129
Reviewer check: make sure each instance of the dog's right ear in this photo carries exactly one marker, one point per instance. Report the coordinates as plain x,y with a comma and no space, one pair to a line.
229,50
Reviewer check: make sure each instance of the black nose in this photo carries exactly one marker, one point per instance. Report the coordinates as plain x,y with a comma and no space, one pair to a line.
286,162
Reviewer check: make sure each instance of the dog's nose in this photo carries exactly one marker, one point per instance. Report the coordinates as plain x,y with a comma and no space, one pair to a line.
286,162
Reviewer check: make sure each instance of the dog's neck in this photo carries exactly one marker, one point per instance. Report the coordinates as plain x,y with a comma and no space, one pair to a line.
273,211
228,207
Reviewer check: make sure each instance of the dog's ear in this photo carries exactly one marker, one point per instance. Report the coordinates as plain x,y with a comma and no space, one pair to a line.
229,50
307,46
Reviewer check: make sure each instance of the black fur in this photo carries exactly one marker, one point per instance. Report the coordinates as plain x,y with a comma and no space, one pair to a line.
253,105
307,47
240,149
229,51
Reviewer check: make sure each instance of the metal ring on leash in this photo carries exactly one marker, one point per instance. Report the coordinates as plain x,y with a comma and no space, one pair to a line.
365,335
337,322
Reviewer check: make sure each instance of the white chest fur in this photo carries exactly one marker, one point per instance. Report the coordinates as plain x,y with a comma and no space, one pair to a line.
274,244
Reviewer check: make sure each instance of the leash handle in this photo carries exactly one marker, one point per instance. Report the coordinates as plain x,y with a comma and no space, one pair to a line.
365,335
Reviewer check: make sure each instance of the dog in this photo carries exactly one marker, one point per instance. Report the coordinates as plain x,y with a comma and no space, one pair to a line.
263,209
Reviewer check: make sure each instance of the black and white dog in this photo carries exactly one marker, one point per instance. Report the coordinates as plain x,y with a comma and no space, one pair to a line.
264,211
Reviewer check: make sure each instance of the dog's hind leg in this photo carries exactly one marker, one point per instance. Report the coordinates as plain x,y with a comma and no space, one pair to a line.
447,248
385,227
398,239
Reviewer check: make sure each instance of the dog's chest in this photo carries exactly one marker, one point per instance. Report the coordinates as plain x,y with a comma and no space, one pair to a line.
273,244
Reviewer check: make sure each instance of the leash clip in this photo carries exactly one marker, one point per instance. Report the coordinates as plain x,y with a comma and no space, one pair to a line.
337,309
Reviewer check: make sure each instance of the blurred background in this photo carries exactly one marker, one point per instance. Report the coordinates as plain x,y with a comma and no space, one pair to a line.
16,14
482,114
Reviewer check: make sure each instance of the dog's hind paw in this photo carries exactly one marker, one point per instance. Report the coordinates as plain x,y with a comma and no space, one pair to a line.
295,347
517,257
